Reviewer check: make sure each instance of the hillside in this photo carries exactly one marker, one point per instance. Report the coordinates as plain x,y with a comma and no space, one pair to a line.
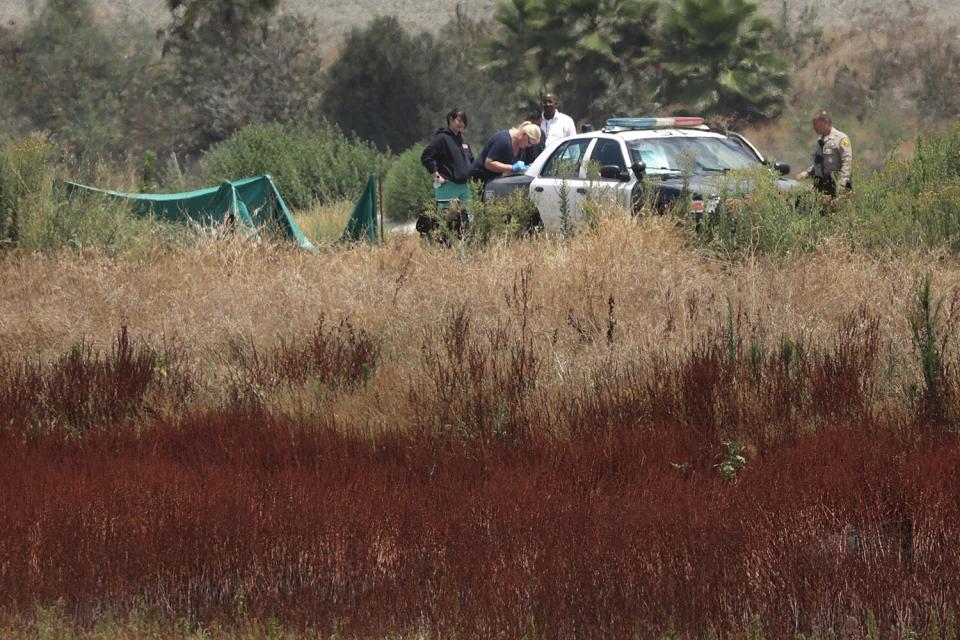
336,17
885,70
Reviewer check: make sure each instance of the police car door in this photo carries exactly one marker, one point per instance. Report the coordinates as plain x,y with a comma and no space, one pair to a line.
561,183
609,152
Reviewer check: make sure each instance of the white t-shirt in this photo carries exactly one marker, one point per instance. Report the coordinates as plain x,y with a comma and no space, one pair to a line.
556,128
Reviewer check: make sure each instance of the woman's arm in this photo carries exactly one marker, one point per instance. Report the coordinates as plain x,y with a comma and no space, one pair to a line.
500,158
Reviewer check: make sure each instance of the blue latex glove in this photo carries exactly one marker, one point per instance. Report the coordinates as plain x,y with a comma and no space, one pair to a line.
519,166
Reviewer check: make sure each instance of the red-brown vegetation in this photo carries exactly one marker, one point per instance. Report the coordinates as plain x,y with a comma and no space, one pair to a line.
497,505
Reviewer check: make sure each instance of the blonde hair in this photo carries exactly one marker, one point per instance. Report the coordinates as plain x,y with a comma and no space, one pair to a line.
532,130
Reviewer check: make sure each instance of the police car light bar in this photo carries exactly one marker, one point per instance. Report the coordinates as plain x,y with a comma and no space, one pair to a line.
654,123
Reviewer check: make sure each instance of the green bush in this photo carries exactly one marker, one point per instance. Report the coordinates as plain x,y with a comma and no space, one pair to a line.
910,205
383,85
24,187
754,216
407,189
85,83
913,204
508,217
34,217
309,167
95,221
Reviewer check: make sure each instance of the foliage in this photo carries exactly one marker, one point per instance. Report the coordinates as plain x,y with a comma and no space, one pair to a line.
407,189
34,216
910,204
485,459
575,48
82,82
930,338
230,20
491,104
752,215
719,58
24,187
732,460
383,86
224,84
508,217
309,166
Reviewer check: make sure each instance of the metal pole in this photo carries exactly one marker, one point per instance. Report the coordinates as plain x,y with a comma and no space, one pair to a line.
380,204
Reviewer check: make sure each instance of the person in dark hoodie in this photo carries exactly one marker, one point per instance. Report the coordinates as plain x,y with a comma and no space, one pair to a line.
448,158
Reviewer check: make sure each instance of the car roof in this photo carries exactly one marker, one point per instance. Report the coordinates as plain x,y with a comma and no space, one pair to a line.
645,134
631,135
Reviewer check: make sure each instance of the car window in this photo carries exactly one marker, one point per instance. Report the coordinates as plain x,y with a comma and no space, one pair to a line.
696,155
607,152
565,160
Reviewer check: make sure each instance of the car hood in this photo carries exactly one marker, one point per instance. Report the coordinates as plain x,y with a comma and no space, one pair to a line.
713,185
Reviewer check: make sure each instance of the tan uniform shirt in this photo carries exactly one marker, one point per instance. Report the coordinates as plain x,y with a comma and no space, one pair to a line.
837,158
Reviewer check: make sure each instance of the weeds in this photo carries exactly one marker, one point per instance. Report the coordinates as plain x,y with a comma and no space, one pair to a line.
328,358
83,390
592,507
930,338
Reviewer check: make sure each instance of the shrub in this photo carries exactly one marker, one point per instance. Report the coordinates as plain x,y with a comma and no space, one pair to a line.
509,217
407,189
308,166
32,215
86,389
910,204
24,187
83,82
765,220
383,86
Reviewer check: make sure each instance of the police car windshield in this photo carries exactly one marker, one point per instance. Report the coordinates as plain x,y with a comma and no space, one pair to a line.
700,155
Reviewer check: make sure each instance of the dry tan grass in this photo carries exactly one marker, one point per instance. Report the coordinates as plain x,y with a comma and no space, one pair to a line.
324,224
666,296
665,293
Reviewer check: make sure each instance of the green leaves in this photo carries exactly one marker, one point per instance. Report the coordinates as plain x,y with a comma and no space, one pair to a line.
579,49
718,57
708,57
221,19
382,87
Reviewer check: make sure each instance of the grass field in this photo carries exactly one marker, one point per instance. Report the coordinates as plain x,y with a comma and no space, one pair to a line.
619,434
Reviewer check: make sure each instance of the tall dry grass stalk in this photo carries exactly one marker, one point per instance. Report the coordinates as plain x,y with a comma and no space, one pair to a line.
662,288
607,436
664,293
630,290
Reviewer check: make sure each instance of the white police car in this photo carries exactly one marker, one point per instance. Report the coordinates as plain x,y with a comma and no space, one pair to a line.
674,157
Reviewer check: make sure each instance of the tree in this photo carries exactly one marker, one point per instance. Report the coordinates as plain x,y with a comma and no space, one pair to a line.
716,57
224,20
579,49
234,65
490,103
83,83
384,86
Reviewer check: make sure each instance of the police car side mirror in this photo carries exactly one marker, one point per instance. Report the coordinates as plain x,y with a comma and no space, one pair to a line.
613,172
638,169
782,168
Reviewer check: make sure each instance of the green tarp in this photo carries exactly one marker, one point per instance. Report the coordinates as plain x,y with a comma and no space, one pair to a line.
253,204
362,224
